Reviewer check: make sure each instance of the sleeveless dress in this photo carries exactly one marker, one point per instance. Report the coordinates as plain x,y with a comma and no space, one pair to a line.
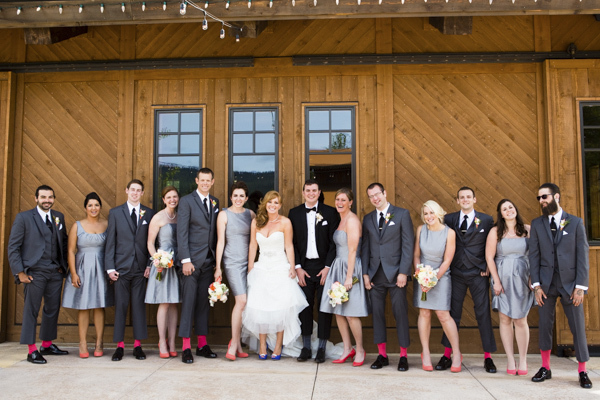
167,289
433,247
94,291
357,304
235,254
513,269
274,300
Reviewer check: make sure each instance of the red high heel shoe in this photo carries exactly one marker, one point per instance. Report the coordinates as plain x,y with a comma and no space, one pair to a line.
522,371
228,356
358,363
161,354
343,360
238,353
459,368
426,367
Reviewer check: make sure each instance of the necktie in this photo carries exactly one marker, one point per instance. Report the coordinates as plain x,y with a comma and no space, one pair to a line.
553,227
381,219
49,223
134,217
463,226
206,206
311,209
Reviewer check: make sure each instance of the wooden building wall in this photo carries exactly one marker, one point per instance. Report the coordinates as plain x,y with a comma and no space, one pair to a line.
422,130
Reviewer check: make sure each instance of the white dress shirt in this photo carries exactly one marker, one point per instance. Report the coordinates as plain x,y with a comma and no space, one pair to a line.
384,211
470,218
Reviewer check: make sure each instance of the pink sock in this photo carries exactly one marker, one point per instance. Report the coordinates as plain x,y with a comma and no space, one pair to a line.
402,351
381,348
545,358
46,343
32,348
121,345
137,343
201,341
186,343
487,355
581,367
448,352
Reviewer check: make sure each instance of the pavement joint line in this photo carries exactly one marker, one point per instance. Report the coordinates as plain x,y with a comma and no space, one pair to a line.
126,395
478,381
312,393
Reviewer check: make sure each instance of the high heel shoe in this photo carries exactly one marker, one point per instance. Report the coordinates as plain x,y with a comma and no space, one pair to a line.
511,371
343,360
427,368
262,356
522,371
459,368
275,357
98,353
84,355
161,354
238,353
230,357
358,363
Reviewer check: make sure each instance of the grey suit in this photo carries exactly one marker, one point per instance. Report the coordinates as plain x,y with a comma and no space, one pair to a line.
40,252
559,264
127,253
386,254
196,240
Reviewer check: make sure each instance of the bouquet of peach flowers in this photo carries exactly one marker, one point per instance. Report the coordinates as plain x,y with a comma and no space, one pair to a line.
217,291
338,293
426,277
162,259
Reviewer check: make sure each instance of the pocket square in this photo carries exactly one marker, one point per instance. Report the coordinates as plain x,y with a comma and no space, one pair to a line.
324,223
392,223
482,230
60,227
216,210
144,222
565,233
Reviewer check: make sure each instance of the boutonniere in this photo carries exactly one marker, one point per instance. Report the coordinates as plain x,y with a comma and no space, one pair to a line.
142,213
388,216
563,223
57,221
477,222
214,203
319,217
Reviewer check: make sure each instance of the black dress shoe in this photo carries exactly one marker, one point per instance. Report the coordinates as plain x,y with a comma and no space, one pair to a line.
118,355
138,353
443,364
403,364
53,350
489,365
205,352
187,357
305,354
320,358
584,380
542,375
37,358
380,362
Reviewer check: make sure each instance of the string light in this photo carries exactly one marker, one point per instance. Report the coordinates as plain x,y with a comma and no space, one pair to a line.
80,8
380,1
315,3
164,5
270,3
237,37
337,2
38,8
60,9
249,3
182,8
491,2
143,6
358,2
102,8
293,3
222,35
19,11
227,5
206,4
224,24
204,24
123,7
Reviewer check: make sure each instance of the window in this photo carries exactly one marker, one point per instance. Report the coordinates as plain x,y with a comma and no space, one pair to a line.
178,151
253,148
330,141
590,150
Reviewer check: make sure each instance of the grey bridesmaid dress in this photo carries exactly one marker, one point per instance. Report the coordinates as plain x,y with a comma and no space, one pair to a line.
513,269
235,254
167,289
94,291
433,247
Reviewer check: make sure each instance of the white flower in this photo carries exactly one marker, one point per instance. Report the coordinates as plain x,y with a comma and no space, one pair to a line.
319,217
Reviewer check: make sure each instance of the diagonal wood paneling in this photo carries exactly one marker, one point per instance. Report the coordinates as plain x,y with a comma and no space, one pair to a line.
478,130
583,30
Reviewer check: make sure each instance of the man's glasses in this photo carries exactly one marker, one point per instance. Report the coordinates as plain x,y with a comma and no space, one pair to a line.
544,196
376,195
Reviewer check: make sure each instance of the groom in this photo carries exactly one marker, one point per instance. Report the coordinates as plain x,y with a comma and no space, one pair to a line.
126,257
197,241
314,224
387,255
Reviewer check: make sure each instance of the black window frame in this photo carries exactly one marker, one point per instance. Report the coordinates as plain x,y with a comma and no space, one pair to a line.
584,150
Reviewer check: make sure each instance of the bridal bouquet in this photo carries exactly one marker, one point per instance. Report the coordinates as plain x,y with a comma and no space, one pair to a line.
338,293
426,277
217,291
162,259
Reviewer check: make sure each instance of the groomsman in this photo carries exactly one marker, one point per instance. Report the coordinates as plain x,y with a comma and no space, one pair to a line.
126,257
387,254
37,253
469,271
197,242
558,258
314,224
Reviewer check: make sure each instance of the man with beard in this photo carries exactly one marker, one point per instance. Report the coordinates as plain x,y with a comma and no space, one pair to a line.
558,257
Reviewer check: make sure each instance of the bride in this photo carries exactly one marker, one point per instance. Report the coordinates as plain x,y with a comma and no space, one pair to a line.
274,297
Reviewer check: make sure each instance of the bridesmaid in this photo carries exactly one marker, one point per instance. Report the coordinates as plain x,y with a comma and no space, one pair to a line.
506,254
435,245
165,292
233,238
86,288
344,268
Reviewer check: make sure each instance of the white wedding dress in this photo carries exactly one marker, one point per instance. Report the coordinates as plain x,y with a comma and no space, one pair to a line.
274,299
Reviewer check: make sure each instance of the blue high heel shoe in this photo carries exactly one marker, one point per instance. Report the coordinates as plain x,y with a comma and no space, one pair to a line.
262,356
276,357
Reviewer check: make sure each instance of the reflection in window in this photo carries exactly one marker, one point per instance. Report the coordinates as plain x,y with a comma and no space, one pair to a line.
330,137
253,148
178,149
590,135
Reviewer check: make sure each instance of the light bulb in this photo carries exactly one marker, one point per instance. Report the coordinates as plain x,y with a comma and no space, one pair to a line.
123,7
237,38
80,8
102,8
60,9
182,8
227,5
19,11
222,35
164,5
38,8
204,24
270,3
249,3
143,6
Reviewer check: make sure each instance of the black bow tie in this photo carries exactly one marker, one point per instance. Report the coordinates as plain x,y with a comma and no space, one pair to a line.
311,209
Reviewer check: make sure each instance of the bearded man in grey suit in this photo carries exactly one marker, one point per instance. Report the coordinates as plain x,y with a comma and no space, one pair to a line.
387,254
125,260
559,262
197,242
37,253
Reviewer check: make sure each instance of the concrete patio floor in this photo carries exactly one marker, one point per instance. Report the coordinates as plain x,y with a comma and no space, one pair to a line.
69,377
